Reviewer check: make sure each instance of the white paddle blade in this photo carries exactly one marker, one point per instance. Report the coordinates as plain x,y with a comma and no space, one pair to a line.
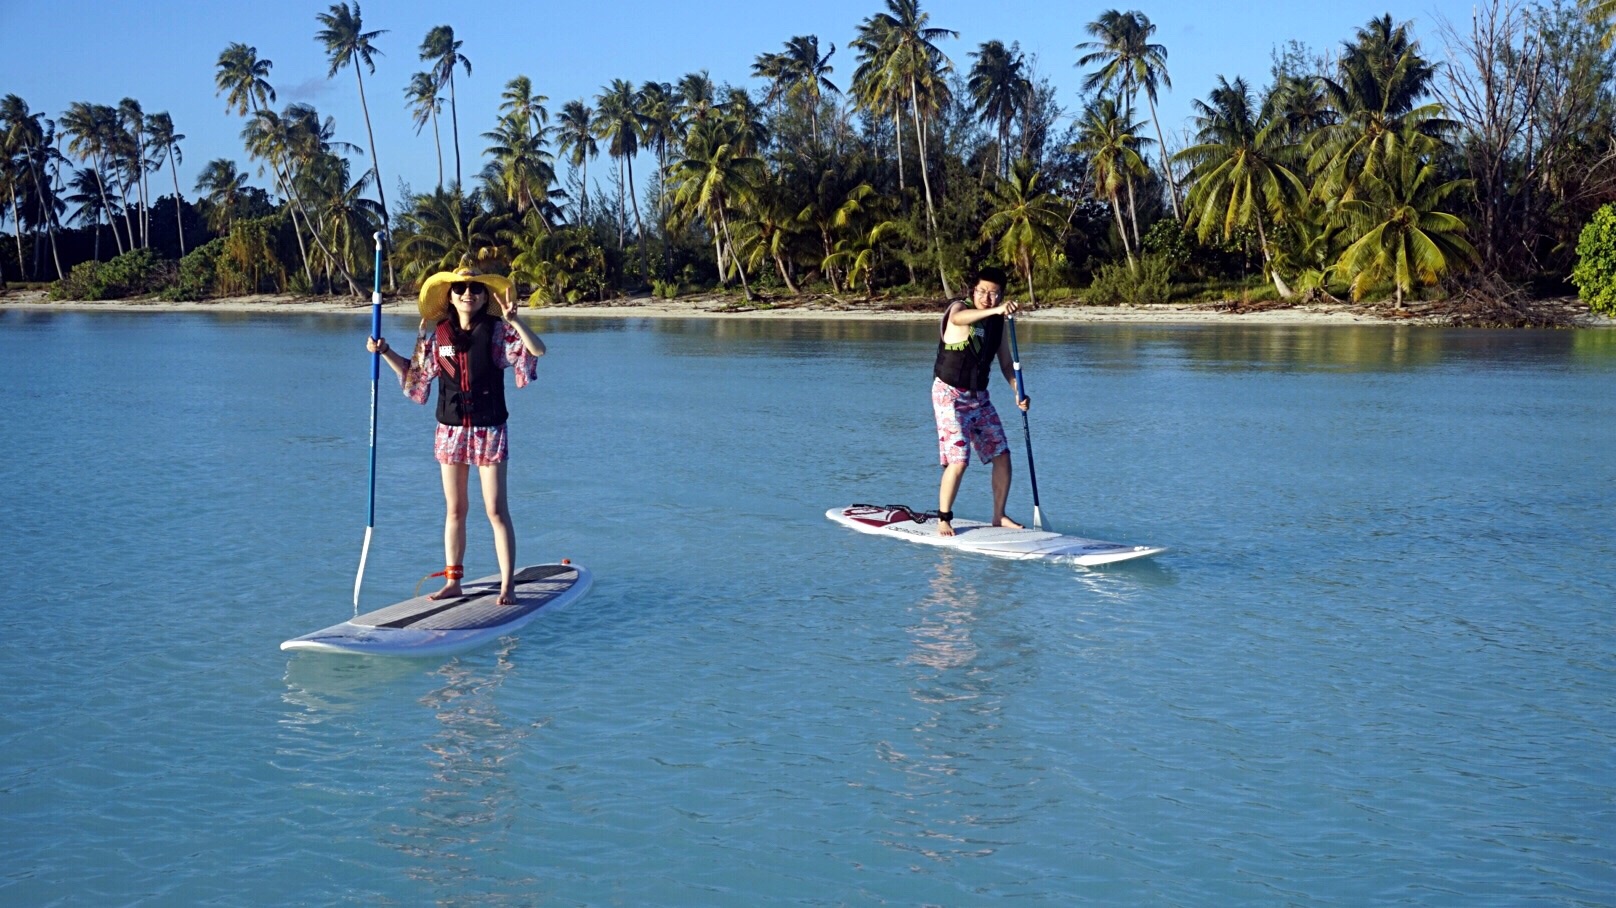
359,580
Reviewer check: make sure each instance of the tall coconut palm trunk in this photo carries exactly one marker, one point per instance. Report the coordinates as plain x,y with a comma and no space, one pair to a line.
50,210
740,266
179,209
106,205
376,169
1167,164
454,125
925,179
1122,231
16,228
639,226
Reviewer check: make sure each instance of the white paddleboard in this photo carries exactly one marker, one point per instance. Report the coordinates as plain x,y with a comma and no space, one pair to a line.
898,522
434,627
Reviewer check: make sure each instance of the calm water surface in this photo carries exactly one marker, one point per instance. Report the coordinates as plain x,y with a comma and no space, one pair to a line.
1377,667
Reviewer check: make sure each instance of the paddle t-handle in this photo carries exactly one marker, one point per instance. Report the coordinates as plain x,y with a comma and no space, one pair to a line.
1026,430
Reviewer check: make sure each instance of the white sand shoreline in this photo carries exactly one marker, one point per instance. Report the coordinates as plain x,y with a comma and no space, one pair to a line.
728,308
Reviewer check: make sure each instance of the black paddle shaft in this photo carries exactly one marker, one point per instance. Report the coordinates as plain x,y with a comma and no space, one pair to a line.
1021,393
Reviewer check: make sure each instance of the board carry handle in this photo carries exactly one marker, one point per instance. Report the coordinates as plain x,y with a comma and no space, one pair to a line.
1026,431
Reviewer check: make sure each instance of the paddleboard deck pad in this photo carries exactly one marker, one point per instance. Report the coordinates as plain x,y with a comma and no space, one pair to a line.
438,627
900,522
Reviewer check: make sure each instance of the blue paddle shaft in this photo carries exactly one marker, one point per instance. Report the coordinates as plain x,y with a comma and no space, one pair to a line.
375,377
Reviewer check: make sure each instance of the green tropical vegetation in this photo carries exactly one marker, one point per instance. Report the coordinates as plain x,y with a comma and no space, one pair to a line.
889,168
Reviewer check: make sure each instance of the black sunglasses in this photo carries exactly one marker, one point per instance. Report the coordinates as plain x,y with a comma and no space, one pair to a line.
462,287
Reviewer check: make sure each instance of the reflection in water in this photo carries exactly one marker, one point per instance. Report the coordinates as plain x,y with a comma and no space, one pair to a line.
456,837
463,822
322,686
943,637
958,800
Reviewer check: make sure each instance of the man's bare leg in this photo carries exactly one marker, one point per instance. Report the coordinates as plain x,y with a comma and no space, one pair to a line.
1001,491
947,492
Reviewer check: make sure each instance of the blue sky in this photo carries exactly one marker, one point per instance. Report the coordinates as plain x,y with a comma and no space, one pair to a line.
162,53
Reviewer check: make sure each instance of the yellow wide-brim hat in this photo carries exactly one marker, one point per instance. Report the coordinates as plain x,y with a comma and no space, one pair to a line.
435,289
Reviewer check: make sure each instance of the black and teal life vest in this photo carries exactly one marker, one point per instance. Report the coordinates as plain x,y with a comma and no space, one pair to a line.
968,364
471,388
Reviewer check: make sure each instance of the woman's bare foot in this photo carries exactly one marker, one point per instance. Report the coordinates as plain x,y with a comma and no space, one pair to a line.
507,597
450,590
1008,524
944,528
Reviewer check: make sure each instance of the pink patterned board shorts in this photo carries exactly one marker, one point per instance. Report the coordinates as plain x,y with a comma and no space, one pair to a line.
965,420
478,446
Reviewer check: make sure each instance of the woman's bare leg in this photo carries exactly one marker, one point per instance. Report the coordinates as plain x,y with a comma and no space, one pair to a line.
499,518
455,476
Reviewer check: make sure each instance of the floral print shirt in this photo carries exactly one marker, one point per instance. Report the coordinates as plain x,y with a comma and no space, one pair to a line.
509,353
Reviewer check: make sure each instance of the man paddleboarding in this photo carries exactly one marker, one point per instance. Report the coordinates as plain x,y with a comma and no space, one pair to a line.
971,337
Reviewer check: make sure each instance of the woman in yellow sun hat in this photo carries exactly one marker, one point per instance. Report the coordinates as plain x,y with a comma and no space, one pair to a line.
470,333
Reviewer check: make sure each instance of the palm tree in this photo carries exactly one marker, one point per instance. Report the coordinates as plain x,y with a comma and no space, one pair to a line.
442,228
697,96
297,137
521,164
221,186
859,251
617,120
425,102
164,144
659,115
799,71
1025,223
520,102
132,126
897,50
346,42
88,128
442,50
28,131
89,206
575,136
347,220
1381,79
243,78
1108,137
709,178
1404,236
748,119
1000,91
1239,175
1129,62
771,230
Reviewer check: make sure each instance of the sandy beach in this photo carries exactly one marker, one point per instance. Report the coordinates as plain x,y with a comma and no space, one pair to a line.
820,307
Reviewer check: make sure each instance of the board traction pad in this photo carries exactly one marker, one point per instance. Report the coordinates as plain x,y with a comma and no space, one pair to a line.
478,608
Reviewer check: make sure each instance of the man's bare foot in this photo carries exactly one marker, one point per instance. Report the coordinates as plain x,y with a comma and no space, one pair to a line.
1008,524
944,528
450,590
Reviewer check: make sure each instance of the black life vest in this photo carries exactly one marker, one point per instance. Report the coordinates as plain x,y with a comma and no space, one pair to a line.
968,364
471,389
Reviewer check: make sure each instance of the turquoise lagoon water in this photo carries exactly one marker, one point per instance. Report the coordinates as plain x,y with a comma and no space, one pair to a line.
1376,668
